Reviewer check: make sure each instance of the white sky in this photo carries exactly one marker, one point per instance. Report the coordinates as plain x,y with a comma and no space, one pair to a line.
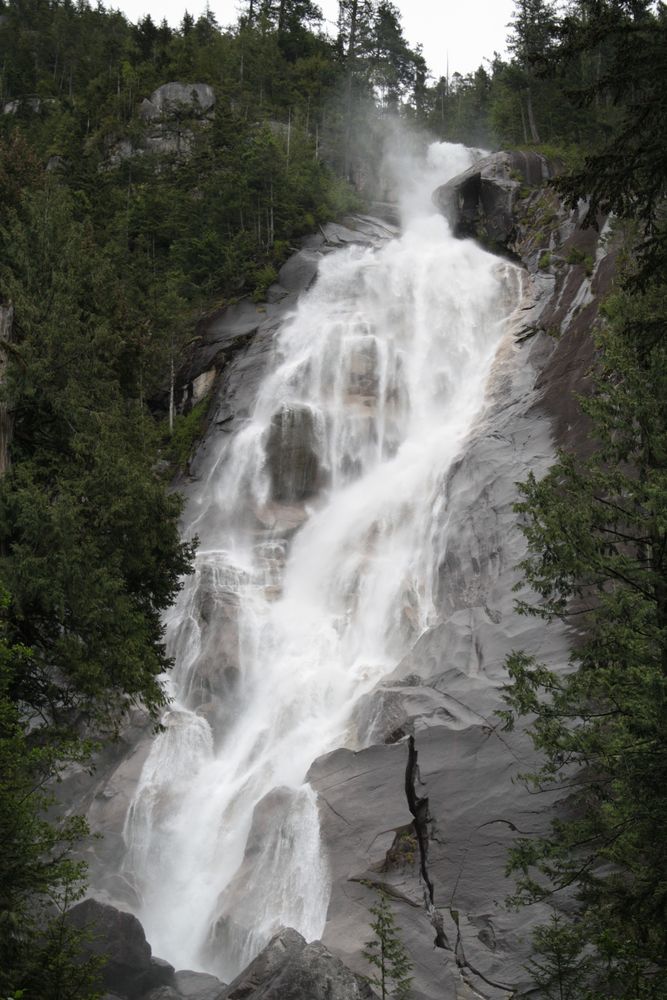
466,31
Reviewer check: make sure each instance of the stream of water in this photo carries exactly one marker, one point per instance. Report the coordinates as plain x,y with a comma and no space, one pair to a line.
321,530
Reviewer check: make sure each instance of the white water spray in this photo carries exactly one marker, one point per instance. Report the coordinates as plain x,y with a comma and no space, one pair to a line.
320,526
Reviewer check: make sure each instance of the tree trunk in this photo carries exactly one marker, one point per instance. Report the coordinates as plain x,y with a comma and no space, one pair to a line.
6,415
172,388
534,134
352,41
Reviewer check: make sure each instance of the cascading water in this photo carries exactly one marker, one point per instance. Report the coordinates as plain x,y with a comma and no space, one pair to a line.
320,527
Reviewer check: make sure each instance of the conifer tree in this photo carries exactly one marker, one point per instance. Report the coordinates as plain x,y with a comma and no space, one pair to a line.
558,967
597,538
386,953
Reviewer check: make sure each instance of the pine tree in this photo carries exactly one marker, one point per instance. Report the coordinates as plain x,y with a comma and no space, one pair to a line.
386,953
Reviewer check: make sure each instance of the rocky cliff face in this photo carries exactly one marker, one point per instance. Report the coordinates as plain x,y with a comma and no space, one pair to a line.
504,201
429,809
425,806
168,117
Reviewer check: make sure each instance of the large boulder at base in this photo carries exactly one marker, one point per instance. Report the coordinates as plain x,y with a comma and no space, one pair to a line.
130,970
290,969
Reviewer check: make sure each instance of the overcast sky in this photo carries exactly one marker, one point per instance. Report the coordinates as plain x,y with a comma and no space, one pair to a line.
466,31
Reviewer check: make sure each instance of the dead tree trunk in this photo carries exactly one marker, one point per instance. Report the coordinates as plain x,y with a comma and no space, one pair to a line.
6,414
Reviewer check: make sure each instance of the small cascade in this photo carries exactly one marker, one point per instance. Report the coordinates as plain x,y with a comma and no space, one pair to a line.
320,525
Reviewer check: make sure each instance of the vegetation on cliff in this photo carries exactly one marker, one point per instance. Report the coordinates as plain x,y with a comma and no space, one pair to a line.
597,550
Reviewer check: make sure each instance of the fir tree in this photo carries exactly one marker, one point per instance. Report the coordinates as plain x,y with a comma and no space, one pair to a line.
558,967
386,953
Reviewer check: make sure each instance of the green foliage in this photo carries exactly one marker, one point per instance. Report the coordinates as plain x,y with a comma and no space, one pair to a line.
626,173
38,878
188,429
597,542
584,81
90,555
90,537
385,952
559,968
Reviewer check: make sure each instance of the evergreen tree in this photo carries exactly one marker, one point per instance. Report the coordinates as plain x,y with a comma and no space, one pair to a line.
558,968
533,29
38,878
627,174
597,538
91,551
386,953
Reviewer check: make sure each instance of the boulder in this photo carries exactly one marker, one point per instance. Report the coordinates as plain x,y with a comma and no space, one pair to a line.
481,202
130,970
162,993
198,985
300,271
290,969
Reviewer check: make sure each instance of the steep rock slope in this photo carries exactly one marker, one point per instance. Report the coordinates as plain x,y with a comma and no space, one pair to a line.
426,807
428,810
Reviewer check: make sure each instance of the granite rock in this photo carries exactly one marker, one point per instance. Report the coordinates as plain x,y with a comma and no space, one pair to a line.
290,969
129,969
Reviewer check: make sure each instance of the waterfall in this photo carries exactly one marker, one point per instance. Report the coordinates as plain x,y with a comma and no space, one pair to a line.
321,525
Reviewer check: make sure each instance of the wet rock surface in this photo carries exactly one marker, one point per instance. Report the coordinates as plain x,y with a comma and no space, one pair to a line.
243,332
130,971
291,454
442,861
431,830
482,202
290,969
435,834
506,203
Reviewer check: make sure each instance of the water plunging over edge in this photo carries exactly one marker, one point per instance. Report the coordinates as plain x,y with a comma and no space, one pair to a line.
319,526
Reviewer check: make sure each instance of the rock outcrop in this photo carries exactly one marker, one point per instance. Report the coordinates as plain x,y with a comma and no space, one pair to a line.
170,98
130,971
169,117
290,969
291,453
287,969
483,202
504,201
229,355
